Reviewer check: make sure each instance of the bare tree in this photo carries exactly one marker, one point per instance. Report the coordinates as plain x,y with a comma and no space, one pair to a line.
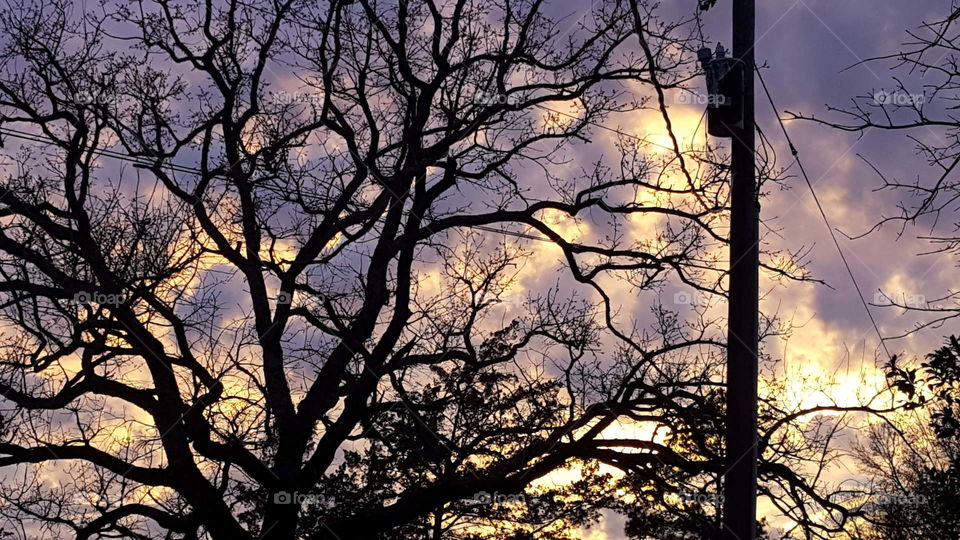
911,459
919,102
258,261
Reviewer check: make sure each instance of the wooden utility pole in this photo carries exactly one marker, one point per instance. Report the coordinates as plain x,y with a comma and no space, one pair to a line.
740,479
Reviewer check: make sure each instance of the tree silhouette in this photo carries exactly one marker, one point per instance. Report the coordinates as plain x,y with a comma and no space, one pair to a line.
916,486
258,269
918,103
914,483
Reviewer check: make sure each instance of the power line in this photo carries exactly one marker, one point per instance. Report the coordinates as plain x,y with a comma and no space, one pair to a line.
137,162
141,162
823,214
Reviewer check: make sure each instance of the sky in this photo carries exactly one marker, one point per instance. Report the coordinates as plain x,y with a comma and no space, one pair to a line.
809,47
813,54
810,50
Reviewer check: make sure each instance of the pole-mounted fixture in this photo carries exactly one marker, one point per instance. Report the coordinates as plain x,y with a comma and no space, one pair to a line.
724,91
